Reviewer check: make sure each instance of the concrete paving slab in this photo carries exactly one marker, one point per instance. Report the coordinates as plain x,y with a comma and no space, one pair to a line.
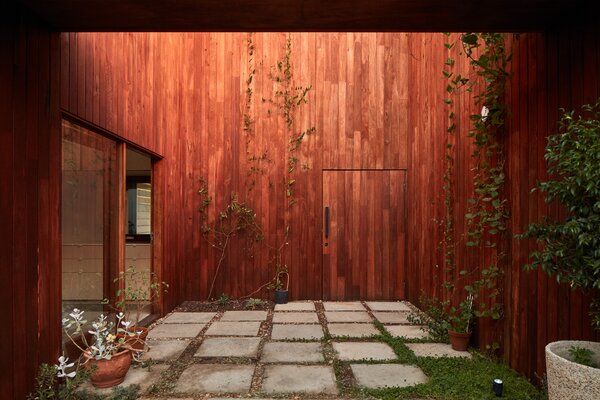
244,316
350,351
222,378
295,317
135,376
229,347
388,306
436,350
301,331
165,350
353,330
189,317
343,306
391,317
315,379
407,331
376,376
244,328
163,331
283,352
296,306
343,316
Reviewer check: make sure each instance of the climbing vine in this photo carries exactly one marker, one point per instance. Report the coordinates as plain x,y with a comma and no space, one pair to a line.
487,211
237,218
288,99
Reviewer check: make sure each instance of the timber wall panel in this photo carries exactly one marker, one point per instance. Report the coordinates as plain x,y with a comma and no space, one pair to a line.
29,83
183,96
188,108
549,71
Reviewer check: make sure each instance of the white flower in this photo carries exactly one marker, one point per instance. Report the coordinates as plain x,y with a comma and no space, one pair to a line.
484,113
126,324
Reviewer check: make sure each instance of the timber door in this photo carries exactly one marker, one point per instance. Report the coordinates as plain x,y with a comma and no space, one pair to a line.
364,235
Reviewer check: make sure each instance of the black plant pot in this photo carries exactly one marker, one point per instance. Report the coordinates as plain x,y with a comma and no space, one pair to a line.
281,297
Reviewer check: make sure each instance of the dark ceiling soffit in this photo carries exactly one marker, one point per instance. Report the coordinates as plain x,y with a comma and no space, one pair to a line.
310,15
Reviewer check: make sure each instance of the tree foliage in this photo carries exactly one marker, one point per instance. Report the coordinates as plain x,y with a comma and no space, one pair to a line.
570,248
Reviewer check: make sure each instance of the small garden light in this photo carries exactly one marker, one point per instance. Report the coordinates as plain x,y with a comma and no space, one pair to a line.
498,387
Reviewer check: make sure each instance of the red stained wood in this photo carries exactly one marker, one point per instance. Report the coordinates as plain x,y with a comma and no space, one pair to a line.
364,250
29,77
376,103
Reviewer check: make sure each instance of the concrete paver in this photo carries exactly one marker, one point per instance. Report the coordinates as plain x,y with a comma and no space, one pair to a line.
309,379
244,316
245,328
391,317
350,351
229,347
353,330
300,331
407,331
343,306
175,331
436,350
295,317
388,306
377,376
222,378
284,352
165,350
189,317
296,306
344,316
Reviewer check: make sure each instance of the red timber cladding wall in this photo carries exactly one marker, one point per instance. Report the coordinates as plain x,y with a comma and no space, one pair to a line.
30,183
183,96
549,71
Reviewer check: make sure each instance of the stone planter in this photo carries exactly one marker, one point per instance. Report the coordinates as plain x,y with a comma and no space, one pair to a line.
568,380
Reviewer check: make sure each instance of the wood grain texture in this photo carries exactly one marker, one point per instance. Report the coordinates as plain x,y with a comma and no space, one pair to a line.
364,249
29,83
183,96
549,71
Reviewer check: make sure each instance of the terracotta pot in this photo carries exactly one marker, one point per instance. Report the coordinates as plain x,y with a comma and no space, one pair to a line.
459,340
109,373
568,380
136,342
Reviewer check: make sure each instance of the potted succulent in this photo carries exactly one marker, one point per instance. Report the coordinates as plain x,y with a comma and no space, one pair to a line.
569,247
460,324
105,354
136,290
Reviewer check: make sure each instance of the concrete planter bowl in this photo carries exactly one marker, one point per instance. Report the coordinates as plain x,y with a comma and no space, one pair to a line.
568,380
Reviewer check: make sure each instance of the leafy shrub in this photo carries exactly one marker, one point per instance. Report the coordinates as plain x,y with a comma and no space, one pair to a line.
570,249
253,303
223,299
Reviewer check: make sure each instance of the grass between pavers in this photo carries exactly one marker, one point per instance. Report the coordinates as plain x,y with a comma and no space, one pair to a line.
449,378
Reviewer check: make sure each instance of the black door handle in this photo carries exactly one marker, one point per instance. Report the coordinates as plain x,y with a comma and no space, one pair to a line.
326,222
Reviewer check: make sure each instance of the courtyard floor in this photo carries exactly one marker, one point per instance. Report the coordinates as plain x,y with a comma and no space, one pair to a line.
305,349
